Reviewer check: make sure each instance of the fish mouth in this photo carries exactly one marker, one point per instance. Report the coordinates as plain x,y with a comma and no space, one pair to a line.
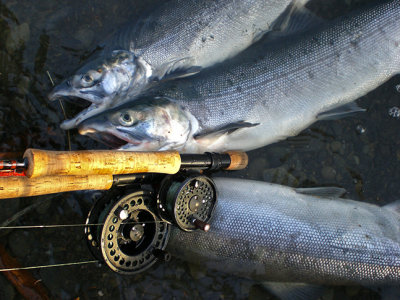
82,103
76,95
110,138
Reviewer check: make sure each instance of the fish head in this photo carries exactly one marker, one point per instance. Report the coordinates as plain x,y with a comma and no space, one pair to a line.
146,124
100,80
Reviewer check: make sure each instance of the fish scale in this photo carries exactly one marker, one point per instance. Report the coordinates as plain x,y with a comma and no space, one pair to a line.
270,232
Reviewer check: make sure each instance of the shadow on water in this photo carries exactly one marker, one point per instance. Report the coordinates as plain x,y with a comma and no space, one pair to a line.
360,153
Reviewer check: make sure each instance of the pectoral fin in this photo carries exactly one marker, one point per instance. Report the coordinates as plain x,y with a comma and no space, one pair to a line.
325,192
296,18
294,291
340,112
227,129
178,68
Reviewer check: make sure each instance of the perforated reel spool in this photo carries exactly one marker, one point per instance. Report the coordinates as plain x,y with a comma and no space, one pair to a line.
186,202
97,214
133,236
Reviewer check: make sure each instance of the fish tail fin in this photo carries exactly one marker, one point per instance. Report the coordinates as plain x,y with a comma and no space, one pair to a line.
394,206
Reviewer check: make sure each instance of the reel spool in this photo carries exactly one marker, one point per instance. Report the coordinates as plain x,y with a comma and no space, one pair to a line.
132,238
187,202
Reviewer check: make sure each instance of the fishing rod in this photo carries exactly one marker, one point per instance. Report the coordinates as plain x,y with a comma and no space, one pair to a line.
149,193
45,172
99,162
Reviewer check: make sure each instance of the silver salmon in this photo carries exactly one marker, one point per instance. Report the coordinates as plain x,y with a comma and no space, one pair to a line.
271,232
266,98
180,38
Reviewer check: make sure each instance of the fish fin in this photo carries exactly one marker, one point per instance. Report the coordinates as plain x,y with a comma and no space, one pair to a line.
394,206
227,129
296,18
294,291
177,69
340,112
326,192
182,73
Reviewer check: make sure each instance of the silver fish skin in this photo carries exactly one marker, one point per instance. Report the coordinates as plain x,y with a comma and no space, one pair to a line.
179,38
270,232
268,97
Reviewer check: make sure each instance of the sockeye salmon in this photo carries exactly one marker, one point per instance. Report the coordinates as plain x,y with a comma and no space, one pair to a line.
271,232
179,38
249,103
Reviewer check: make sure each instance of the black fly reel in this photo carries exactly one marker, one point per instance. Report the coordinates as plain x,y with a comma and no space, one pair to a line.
187,202
132,237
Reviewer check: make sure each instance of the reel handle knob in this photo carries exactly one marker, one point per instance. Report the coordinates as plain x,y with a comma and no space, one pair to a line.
162,255
199,223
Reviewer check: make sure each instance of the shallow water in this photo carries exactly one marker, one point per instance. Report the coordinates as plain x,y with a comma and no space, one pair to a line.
360,153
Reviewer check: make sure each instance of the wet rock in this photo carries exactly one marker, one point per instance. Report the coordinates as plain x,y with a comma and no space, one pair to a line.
337,129
276,156
352,290
20,244
256,167
45,204
23,85
394,112
9,208
280,176
328,294
85,36
197,271
7,291
368,150
257,292
328,173
336,146
360,129
18,36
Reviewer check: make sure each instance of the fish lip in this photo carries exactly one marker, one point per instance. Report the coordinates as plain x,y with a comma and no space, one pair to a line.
65,89
109,137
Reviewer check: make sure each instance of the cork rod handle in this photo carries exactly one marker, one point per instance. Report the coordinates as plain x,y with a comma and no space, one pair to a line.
99,162
12,187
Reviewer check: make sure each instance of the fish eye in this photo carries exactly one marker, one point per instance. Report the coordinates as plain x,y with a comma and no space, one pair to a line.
88,78
125,119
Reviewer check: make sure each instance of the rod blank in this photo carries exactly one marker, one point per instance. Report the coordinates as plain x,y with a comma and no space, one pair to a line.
13,187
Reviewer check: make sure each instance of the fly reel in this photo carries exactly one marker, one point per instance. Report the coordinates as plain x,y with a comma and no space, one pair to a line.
126,230
187,202
132,237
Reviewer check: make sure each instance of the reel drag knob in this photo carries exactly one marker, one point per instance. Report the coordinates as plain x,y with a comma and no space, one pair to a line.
133,236
187,202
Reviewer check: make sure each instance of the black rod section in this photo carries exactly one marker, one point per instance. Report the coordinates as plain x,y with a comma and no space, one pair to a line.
208,160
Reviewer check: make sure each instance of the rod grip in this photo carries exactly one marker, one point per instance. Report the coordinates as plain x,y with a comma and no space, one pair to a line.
239,160
13,187
99,162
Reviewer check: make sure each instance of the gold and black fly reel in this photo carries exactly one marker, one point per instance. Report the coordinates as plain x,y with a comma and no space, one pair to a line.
128,227
187,202
125,232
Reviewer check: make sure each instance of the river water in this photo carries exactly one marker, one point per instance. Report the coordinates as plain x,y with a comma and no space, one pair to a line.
44,39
